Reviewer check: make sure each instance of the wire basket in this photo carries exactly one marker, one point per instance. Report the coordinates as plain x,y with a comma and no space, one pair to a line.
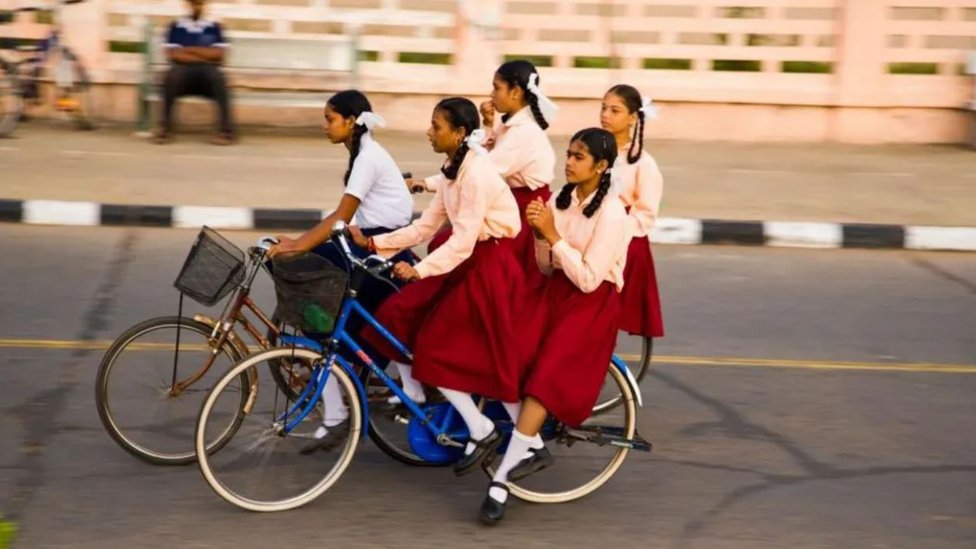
310,290
213,268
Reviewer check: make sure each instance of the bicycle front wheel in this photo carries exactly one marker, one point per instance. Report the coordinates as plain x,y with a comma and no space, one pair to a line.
148,388
268,466
11,98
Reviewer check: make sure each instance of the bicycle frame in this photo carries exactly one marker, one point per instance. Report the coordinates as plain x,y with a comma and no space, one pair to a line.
223,328
340,338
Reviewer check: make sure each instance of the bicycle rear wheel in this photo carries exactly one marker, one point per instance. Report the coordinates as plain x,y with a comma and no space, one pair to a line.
585,457
639,365
263,467
11,98
133,389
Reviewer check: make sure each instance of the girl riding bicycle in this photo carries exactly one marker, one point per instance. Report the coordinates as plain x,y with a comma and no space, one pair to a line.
568,329
639,183
374,199
459,315
517,142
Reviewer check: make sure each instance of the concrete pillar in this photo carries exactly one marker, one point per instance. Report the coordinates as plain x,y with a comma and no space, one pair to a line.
860,69
477,45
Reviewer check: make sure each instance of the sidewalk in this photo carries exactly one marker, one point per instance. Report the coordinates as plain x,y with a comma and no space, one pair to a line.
726,182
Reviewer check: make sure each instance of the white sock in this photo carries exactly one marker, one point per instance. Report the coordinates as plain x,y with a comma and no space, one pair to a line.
336,410
514,409
478,424
411,386
518,446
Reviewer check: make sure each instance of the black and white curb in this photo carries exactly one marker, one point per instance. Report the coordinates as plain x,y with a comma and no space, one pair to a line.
668,230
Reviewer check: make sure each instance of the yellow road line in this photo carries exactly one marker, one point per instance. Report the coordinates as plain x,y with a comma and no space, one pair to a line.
928,367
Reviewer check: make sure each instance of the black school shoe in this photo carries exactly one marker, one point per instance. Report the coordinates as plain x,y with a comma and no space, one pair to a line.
538,460
337,435
482,449
493,511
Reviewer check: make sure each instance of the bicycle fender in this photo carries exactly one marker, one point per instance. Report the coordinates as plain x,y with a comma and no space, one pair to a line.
622,367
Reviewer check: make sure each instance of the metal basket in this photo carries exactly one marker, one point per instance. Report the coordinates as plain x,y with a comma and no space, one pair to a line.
213,268
310,290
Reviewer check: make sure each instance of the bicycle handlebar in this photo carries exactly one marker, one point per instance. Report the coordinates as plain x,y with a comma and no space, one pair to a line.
340,235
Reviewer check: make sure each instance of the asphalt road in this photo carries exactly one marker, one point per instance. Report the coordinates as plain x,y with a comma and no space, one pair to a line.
800,399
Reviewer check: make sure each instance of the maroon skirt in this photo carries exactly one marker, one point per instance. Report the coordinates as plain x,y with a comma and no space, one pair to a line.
641,310
524,242
460,325
565,346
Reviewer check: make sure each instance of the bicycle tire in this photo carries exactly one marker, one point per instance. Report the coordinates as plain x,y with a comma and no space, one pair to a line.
403,455
629,431
647,353
292,502
102,390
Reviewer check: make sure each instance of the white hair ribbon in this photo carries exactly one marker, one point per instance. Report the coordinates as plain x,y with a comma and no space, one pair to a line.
546,106
475,140
371,120
649,109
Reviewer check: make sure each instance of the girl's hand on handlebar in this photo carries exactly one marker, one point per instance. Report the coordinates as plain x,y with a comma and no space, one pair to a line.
285,245
404,271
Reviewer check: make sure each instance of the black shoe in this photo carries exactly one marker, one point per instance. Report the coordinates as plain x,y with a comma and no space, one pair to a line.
482,449
337,435
538,460
493,511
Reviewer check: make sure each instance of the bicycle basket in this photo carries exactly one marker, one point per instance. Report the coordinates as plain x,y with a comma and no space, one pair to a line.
212,269
310,290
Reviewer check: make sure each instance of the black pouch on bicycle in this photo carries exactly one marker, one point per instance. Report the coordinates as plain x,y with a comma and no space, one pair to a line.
310,290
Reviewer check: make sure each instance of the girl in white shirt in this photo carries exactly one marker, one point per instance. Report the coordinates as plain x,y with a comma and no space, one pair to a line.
376,201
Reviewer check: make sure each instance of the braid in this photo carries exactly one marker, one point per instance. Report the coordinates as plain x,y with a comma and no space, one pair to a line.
565,197
357,138
601,193
536,112
451,170
634,155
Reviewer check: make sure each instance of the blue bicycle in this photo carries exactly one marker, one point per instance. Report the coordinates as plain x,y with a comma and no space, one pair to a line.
263,466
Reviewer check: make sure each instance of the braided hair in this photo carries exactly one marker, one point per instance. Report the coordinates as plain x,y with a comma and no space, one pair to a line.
516,74
602,146
351,103
632,98
459,113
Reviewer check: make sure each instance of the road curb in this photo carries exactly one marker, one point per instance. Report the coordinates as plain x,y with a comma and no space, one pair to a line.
668,230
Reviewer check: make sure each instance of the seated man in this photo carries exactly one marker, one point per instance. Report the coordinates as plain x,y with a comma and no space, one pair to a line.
195,48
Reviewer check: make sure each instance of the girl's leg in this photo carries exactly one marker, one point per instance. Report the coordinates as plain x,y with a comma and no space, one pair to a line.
525,437
478,424
335,426
411,386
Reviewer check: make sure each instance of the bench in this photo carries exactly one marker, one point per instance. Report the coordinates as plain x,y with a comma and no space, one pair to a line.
263,71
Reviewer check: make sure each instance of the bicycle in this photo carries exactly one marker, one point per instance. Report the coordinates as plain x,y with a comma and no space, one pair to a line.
213,269
163,346
20,80
268,446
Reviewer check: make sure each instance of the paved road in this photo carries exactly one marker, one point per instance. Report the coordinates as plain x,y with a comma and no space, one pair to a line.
857,432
